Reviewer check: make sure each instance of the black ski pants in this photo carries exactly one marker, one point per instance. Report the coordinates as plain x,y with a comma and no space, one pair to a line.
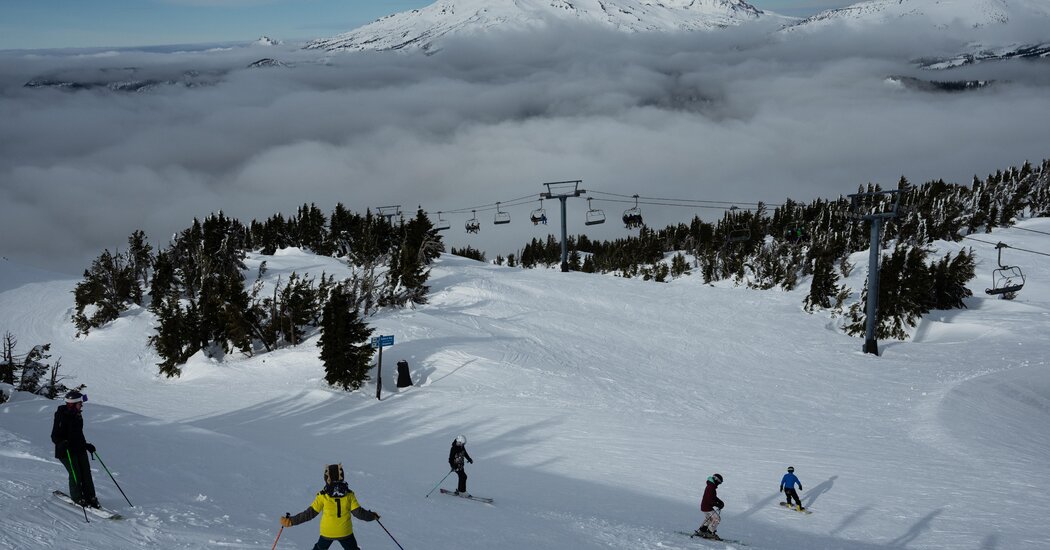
791,494
348,543
81,487
462,487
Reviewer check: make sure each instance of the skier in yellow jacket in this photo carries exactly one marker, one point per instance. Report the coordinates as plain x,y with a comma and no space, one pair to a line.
335,504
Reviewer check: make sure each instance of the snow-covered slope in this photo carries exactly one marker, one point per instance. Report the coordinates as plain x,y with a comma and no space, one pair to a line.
945,14
423,28
594,407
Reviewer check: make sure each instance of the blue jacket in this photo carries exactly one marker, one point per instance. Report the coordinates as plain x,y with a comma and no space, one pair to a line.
789,482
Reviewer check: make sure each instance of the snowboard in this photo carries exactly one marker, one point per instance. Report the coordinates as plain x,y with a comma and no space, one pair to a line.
724,540
804,510
467,496
97,512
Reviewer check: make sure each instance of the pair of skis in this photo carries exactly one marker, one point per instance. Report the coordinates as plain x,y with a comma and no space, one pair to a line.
97,512
466,496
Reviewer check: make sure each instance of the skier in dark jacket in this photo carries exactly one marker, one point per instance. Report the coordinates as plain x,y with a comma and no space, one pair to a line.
71,449
456,455
710,505
787,486
335,504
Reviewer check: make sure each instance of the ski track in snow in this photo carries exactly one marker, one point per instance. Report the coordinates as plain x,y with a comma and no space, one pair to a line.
594,406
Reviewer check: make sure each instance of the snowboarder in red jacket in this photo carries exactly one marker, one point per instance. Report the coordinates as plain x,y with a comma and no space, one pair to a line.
710,505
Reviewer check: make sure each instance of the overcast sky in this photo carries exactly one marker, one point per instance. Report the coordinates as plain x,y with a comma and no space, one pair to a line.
121,23
730,115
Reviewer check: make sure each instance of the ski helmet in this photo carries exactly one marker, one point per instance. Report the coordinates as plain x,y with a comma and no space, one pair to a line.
716,479
75,397
461,440
791,468
333,473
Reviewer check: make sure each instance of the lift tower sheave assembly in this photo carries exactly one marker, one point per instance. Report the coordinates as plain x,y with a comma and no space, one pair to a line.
562,190
875,207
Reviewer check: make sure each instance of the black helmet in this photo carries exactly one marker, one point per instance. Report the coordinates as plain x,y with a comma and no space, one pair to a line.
791,468
333,473
716,479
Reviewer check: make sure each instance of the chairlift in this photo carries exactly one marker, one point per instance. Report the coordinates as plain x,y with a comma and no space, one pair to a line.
473,225
594,216
501,217
1006,280
632,217
738,234
795,234
442,224
539,215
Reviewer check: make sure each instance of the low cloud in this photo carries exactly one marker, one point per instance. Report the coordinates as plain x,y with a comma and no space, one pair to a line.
721,116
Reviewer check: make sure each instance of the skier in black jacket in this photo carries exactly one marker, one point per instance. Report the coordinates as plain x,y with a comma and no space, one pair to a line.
456,455
71,449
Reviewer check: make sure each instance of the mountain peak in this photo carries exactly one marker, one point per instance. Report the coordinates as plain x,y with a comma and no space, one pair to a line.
423,28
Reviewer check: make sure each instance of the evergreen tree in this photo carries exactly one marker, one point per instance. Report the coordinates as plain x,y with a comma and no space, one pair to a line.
345,350
106,289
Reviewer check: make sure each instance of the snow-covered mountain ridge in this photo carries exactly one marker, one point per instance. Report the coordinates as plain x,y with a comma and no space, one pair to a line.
943,14
423,28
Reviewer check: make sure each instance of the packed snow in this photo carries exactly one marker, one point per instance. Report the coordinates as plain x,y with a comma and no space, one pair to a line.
594,407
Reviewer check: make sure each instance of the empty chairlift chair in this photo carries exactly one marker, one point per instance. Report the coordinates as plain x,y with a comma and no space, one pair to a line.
501,217
441,224
594,216
1007,280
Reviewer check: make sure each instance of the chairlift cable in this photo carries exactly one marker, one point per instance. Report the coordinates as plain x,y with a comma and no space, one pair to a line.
1008,246
1032,230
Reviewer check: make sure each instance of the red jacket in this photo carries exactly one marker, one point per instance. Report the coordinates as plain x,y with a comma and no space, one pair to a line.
711,500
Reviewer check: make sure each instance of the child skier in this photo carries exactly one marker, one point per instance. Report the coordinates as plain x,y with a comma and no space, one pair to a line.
72,449
787,486
710,506
456,455
335,504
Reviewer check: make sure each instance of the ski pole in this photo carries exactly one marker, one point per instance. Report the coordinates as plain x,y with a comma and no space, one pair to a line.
73,471
111,477
279,531
388,532
439,483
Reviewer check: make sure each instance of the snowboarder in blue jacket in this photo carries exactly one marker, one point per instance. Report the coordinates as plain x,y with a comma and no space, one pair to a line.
787,486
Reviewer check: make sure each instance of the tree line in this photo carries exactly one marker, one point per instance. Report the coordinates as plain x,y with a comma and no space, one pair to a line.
205,299
775,248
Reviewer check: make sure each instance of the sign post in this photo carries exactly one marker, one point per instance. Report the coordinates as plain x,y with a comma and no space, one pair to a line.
381,342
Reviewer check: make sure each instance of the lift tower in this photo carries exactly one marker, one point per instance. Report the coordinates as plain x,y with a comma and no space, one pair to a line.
562,190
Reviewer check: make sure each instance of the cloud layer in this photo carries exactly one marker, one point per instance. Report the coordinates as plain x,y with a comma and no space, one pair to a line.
725,116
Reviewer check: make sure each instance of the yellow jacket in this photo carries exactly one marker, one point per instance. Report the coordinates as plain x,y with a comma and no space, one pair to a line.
335,512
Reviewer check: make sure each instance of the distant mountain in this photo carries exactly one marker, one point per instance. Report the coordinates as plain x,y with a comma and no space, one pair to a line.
266,41
424,28
942,14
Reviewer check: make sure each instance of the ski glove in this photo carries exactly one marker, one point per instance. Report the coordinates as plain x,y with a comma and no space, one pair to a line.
286,521
90,448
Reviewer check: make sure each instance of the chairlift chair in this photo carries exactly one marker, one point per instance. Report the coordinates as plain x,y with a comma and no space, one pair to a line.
594,216
738,234
501,217
632,217
1006,280
795,234
473,225
539,215
441,224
